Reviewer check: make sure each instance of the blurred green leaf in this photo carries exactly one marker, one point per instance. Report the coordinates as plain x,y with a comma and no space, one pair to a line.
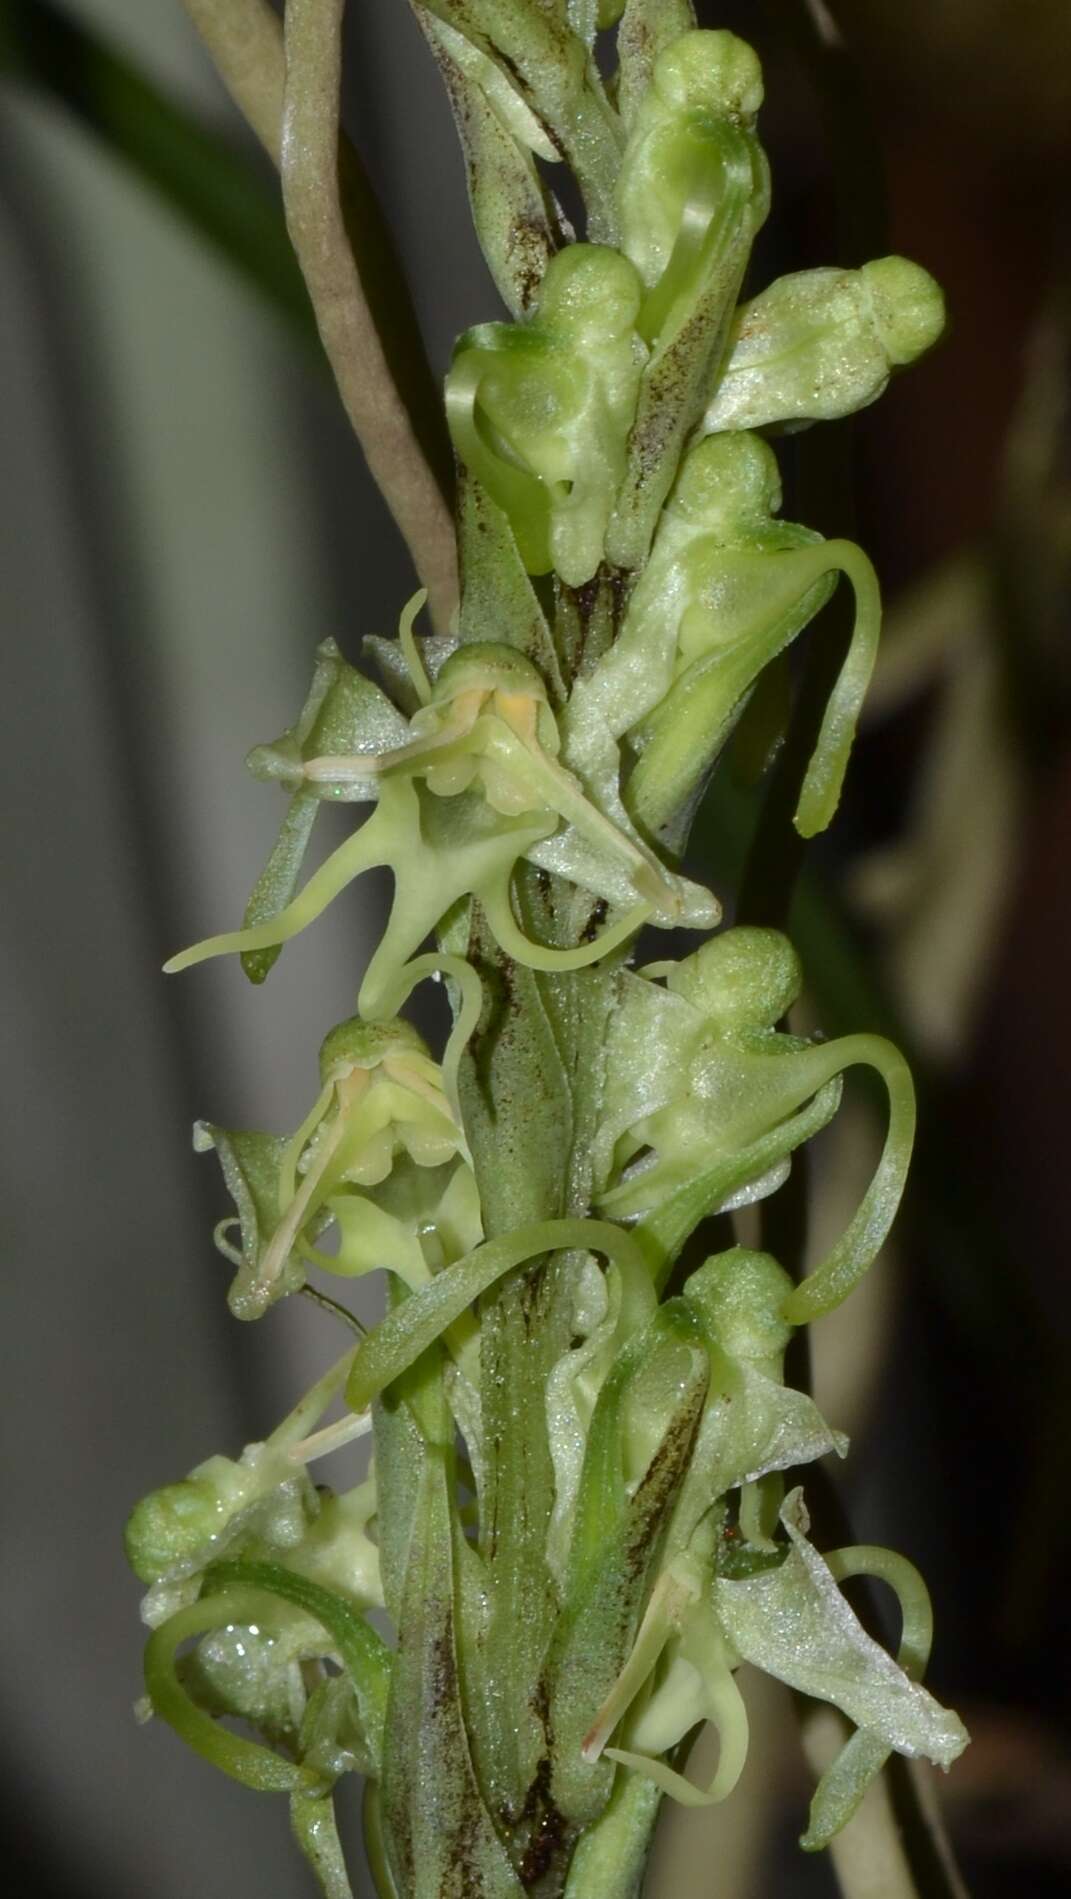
211,185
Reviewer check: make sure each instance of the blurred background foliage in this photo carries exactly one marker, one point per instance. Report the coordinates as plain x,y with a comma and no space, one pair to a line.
184,516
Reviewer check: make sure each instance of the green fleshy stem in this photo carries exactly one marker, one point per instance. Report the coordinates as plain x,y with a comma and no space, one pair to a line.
398,1341
611,1856
365,1655
842,1786
312,1823
375,1845
298,1423
245,1761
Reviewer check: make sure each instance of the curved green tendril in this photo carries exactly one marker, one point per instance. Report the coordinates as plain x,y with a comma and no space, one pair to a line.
357,854
862,1240
413,657
512,939
411,1327
436,963
820,792
364,1654
245,1761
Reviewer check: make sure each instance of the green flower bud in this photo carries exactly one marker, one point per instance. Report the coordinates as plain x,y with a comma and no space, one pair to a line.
710,1101
488,666
740,1295
178,1530
728,488
540,412
726,589
823,343
694,190
691,129
746,978
171,1525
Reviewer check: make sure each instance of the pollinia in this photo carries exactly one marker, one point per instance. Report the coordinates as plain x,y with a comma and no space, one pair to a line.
586,1501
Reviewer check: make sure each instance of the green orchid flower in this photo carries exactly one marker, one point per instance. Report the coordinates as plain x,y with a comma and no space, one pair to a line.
380,1156
477,787
710,1100
752,1425
789,1619
695,184
263,1500
726,590
823,343
540,411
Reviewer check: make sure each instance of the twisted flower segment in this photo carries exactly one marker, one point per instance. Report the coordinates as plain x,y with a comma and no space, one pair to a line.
575,1523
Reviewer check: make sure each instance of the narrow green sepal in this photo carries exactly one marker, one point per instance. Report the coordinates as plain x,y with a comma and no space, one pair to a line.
638,1448
343,712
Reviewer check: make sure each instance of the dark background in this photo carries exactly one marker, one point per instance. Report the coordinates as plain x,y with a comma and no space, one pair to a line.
184,515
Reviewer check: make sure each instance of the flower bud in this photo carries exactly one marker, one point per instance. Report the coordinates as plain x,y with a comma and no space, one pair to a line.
823,343
739,1295
539,412
746,978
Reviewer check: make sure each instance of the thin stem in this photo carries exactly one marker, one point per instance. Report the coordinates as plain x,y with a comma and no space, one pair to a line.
312,40
245,40
377,355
